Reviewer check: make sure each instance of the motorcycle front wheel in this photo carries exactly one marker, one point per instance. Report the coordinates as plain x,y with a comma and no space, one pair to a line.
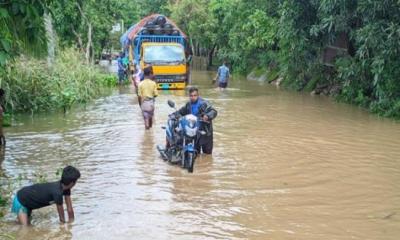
189,160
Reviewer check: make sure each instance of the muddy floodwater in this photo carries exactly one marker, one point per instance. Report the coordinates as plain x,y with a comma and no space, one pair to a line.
285,166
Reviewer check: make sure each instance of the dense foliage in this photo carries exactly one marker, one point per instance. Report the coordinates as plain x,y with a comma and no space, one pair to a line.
34,86
22,28
291,36
288,37
85,24
88,24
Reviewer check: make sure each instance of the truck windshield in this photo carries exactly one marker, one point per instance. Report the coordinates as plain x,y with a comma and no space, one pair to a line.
166,53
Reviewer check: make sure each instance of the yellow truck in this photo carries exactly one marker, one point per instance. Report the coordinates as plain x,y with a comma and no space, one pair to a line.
158,42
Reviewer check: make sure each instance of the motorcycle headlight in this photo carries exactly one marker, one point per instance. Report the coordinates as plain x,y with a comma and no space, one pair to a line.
191,120
191,124
191,132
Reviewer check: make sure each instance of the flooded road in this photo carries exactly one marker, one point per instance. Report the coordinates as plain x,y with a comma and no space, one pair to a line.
285,166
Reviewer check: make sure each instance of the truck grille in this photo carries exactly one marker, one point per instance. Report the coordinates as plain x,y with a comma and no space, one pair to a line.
170,78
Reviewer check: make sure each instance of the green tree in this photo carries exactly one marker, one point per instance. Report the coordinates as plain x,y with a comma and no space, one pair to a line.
195,19
87,24
22,28
148,7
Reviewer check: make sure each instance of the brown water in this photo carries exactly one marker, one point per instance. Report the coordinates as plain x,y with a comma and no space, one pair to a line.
285,166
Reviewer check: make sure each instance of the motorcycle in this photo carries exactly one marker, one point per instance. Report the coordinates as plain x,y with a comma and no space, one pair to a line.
182,133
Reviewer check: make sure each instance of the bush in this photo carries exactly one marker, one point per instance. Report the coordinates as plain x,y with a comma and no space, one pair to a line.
32,85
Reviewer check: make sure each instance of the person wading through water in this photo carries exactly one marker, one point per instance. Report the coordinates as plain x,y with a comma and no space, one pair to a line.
204,111
147,93
2,109
222,76
44,194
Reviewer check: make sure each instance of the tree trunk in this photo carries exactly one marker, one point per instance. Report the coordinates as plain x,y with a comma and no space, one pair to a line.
78,39
197,49
89,43
89,35
210,55
51,39
92,54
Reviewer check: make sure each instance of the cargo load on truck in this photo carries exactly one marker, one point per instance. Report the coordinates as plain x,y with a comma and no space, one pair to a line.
156,40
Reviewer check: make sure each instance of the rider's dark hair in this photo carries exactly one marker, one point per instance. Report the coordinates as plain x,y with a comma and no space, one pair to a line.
69,175
193,89
148,71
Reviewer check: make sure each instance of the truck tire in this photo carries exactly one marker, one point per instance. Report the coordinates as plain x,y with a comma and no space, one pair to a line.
145,32
161,20
157,30
168,28
150,23
150,26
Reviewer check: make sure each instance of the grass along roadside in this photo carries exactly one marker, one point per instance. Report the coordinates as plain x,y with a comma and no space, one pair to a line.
31,85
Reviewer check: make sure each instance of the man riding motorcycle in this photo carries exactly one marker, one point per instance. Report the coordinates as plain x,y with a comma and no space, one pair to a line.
204,111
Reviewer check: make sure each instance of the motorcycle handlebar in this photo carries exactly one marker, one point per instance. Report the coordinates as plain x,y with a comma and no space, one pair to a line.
173,115
201,120
177,115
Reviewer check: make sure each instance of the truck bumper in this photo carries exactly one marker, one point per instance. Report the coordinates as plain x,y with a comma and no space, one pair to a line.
171,85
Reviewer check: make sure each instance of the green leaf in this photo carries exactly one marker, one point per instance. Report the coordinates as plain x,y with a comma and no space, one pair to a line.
6,45
3,58
3,13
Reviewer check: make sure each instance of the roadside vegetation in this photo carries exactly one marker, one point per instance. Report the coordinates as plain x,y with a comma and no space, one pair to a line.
346,49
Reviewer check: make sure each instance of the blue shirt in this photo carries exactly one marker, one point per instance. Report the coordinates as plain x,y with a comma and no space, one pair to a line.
196,106
121,67
223,74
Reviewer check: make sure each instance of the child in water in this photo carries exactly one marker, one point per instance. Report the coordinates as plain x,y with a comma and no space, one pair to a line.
44,194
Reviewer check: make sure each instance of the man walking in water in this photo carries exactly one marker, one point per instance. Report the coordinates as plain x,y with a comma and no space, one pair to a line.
147,93
121,68
2,97
223,76
204,111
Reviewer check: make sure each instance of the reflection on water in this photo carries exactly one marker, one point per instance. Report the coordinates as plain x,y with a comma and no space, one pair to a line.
285,166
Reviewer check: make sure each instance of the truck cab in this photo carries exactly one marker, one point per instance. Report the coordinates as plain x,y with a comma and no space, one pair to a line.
167,56
169,63
157,41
